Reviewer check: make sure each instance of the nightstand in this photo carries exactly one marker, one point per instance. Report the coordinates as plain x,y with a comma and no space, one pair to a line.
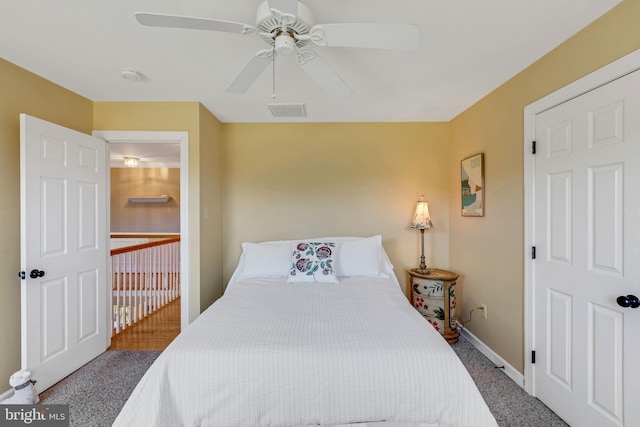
434,295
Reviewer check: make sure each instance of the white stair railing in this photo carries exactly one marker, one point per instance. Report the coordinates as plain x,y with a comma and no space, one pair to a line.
145,277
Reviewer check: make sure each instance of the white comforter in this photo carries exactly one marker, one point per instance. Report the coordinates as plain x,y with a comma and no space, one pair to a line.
271,353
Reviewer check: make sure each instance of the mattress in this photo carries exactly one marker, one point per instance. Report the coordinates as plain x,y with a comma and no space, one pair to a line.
272,353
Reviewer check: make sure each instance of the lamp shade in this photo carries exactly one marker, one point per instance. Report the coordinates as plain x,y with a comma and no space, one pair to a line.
422,218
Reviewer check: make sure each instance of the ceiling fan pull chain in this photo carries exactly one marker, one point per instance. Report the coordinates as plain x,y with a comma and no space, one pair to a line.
273,61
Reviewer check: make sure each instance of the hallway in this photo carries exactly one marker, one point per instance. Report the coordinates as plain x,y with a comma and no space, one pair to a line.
154,332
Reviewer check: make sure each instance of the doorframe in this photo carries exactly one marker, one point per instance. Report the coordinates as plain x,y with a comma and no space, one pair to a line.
156,137
613,71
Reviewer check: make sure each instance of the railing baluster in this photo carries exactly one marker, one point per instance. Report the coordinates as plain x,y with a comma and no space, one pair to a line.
158,281
123,309
167,275
143,280
125,295
163,287
120,289
169,272
176,269
143,284
132,280
152,280
135,269
175,262
115,283
156,295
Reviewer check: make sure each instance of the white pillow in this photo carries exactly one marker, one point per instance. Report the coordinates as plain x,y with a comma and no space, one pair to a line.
313,262
360,257
266,260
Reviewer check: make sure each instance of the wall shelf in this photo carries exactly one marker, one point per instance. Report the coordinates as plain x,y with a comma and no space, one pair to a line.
152,199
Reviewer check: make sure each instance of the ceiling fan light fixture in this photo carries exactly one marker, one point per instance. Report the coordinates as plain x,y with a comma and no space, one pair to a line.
271,23
131,162
285,44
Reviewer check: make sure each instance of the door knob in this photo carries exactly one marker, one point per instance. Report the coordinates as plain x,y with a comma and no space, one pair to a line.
34,274
628,301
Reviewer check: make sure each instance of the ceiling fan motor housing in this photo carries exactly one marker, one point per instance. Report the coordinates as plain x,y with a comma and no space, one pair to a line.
267,22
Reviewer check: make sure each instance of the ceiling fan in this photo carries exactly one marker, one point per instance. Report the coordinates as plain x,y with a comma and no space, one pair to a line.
287,26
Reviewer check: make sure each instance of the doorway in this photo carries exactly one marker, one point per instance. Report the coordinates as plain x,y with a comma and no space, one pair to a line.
152,139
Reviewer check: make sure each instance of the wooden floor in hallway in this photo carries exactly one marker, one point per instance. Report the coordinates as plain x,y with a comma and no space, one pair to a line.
154,332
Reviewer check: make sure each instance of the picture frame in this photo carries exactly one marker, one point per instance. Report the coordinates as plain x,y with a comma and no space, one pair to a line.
472,185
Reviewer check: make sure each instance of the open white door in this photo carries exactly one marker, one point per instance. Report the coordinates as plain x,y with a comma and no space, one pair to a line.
63,249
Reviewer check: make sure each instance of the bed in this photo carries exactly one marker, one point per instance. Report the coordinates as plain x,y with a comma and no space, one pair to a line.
337,345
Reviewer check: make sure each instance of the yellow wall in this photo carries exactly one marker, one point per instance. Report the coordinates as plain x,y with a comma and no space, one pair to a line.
489,251
289,181
23,92
211,173
127,216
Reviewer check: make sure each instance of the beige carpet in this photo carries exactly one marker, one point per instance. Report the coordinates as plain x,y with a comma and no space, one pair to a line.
97,392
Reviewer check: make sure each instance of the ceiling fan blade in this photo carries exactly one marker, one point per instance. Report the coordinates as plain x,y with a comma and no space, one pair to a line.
174,21
374,36
251,71
323,74
289,7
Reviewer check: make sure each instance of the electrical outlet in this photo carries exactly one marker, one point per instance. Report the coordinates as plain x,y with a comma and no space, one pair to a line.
484,310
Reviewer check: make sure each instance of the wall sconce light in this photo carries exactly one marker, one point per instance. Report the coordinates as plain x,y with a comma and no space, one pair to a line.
422,221
131,162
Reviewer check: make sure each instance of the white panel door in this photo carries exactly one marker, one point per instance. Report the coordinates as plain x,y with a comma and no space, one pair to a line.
587,236
63,249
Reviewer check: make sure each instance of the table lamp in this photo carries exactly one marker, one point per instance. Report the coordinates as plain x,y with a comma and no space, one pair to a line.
422,221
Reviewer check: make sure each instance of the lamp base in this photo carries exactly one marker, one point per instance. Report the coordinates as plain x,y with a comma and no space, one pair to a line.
423,265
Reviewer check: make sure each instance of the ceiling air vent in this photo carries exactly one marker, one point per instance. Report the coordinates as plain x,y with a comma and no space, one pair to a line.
287,110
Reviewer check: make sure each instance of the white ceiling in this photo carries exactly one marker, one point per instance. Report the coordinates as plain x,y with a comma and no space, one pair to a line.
467,48
149,155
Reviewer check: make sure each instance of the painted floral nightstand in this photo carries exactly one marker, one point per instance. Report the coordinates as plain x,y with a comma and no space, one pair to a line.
434,295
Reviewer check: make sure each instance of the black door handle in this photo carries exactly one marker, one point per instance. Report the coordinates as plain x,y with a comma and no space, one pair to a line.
34,274
628,301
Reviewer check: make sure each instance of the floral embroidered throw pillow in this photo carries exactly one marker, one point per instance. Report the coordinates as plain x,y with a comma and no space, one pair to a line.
313,262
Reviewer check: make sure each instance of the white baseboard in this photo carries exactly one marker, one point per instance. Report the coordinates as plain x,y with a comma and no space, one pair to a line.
7,394
511,372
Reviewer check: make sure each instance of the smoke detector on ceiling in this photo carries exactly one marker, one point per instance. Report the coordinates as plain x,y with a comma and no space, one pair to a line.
131,75
288,110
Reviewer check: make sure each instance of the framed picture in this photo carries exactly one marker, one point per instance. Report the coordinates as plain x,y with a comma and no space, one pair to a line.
472,182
